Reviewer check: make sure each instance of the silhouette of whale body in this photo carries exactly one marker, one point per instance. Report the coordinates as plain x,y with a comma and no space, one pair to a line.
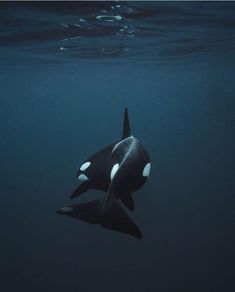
119,169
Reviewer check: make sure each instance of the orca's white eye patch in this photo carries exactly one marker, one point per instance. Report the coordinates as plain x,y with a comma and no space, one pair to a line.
114,170
83,177
146,170
85,166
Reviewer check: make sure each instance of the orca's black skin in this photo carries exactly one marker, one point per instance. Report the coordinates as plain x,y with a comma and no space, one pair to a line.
118,170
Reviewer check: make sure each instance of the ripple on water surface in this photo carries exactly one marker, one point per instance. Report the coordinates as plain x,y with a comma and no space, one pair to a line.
121,30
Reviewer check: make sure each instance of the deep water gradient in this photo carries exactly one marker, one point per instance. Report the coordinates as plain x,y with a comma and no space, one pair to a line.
58,107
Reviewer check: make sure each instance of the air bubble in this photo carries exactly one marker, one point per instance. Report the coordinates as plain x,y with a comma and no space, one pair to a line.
109,18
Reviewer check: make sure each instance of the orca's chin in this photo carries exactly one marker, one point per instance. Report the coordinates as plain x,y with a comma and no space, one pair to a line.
113,217
64,210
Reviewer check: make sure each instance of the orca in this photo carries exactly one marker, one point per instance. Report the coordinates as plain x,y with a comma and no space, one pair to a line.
119,169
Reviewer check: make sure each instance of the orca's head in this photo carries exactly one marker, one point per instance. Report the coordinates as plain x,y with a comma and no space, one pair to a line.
83,173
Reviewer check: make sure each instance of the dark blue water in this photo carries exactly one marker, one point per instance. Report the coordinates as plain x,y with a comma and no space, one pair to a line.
67,72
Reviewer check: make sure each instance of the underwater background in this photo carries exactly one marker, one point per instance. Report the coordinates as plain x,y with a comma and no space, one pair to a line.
67,72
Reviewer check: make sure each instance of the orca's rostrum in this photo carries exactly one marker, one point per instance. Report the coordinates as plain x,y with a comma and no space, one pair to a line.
119,169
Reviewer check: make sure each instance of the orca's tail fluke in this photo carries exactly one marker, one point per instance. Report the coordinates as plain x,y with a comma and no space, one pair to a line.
112,216
115,218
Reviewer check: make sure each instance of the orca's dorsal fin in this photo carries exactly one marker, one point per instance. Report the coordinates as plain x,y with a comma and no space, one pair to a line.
126,131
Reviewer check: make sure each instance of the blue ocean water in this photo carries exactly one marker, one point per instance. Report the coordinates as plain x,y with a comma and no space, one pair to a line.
67,72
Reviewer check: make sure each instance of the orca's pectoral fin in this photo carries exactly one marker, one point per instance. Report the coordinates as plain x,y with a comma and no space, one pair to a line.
128,202
82,188
115,218
112,217
126,131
